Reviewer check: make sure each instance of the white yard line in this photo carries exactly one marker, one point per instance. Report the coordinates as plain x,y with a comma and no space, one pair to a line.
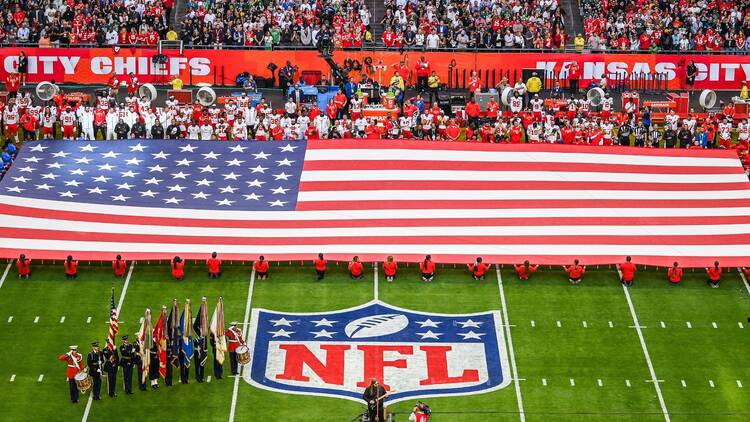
739,383
512,354
739,270
88,320
62,319
5,274
36,319
119,307
41,377
611,325
375,283
627,383
10,318
689,324
572,382
650,364
13,378
248,305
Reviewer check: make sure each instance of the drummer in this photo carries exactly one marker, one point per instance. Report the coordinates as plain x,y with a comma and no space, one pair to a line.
234,340
75,363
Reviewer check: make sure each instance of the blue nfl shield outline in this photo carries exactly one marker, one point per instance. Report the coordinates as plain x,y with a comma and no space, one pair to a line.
268,324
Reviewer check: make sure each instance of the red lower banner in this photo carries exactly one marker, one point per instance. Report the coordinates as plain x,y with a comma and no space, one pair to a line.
94,66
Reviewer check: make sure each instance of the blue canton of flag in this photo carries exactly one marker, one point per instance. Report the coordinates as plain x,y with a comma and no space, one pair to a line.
246,176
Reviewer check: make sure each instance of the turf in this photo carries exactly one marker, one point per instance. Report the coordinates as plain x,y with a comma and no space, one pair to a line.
606,350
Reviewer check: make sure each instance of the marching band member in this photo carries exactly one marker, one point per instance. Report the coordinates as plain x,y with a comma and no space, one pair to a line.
74,361
234,340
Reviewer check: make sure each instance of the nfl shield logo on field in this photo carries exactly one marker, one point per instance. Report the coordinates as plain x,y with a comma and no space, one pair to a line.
414,354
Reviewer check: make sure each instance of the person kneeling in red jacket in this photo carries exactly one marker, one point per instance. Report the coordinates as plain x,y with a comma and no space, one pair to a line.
525,270
178,268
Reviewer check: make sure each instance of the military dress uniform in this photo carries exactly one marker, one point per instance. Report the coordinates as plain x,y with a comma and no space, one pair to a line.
184,369
111,362
138,362
170,366
74,361
127,360
218,367
200,354
153,367
234,340
95,361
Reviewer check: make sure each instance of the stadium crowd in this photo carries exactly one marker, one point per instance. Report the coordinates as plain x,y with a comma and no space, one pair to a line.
52,23
702,25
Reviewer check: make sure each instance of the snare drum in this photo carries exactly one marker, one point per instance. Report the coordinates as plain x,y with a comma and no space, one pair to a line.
83,381
243,355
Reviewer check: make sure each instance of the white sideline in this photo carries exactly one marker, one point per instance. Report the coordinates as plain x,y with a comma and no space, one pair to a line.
248,305
376,281
5,274
739,270
650,364
119,306
512,354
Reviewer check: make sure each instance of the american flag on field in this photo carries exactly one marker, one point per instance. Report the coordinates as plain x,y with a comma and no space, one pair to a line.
153,199
114,324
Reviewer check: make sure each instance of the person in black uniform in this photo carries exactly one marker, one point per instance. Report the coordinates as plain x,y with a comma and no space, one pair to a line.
623,134
122,130
138,130
170,366
111,362
201,356
373,396
184,368
139,366
157,130
173,131
670,137
685,136
95,362
218,367
153,366
127,359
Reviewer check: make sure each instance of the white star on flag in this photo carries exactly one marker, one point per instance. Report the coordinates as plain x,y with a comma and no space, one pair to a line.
157,167
60,154
471,335
428,323
184,162
152,181
281,333
38,148
282,321
101,179
207,168
86,148
261,156
180,175
259,169
55,165
68,194
285,162
430,334
16,189
253,196
469,324
172,200
110,154
79,172
44,186
256,183
106,166
133,161
282,176
323,333
149,193
129,173
187,148
51,176
225,201
137,147
96,190
277,203
280,190
27,169
161,155
238,148
210,155
231,176
228,189
323,323
21,179
234,162
200,195
35,159
125,186
176,188
73,183
287,148
204,182
82,160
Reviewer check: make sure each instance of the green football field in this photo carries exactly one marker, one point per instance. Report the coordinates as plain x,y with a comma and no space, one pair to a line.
589,352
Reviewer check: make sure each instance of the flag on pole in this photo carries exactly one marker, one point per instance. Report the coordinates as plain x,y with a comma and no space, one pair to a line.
200,327
173,333
114,324
160,340
217,330
186,332
146,341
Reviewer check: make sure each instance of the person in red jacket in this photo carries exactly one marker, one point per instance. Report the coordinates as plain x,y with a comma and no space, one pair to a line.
746,271
427,268
356,269
627,272
71,268
714,275
75,364
525,270
575,272
478,269
178,268
674,274
214,266
234,340
320,267
389,269
24,267
261,268
118,266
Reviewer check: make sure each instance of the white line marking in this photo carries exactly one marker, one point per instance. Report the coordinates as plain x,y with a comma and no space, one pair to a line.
248,304
36,319
41,377
559,324
713,324
654,381
611,325
514,369
13,378
572,382
645,352
742,275
62,319
627,383
5,274
10,318
208,378
119,307
544,382
585,324
741,325
689,325
533,324
375,284
663,324
684,384
599,382
739,383
711,383
88,320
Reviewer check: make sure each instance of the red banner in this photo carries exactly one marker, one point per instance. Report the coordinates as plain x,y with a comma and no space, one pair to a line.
94,66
